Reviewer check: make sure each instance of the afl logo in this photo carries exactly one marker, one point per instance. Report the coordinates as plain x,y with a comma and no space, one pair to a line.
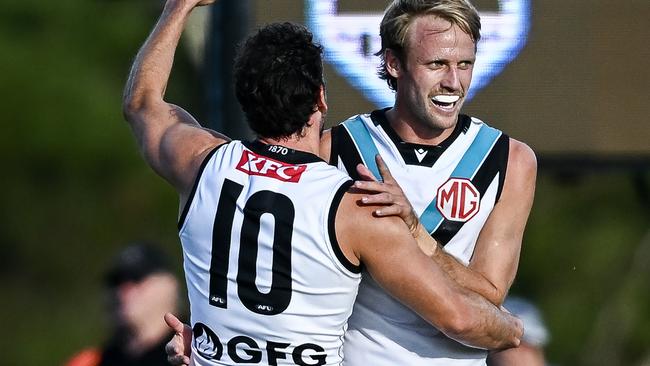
458,199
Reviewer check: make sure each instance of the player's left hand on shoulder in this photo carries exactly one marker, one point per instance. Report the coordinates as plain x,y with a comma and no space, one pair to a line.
388,193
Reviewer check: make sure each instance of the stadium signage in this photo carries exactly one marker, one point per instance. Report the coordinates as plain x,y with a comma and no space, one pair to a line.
351,39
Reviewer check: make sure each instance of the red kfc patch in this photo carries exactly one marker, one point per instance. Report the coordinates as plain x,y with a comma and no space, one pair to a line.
253,164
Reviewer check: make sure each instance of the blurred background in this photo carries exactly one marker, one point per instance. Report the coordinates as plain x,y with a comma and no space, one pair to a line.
574,87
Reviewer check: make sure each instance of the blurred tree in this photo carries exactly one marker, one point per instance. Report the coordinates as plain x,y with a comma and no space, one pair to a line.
74,185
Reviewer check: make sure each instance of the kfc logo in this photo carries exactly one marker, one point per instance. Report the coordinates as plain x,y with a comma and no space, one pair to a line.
253,164
458,200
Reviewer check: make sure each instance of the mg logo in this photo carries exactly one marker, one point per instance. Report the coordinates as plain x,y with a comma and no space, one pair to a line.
351,39
458,200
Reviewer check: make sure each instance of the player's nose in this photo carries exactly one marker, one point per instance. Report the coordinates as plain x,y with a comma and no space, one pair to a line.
450,79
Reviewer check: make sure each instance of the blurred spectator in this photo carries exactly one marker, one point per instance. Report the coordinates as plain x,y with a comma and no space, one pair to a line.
141,288
531,350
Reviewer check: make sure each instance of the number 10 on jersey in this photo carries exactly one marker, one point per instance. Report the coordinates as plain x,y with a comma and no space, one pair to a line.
263,202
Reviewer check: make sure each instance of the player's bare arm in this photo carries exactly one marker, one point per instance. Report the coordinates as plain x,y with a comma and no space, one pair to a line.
171,140
394,201
393,258
390,195
493,266
461,314
496,255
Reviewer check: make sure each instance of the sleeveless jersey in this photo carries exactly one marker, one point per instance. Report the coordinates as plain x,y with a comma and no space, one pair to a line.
453,188
267,281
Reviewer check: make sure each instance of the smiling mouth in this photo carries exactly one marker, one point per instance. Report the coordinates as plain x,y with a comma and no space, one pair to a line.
445,101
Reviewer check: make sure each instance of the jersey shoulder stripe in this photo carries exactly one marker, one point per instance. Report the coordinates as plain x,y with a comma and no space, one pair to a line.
483,160
472,159
494,165
360,134
343,151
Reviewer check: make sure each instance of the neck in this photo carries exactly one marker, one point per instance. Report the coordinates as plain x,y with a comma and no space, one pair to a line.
307,140
409,129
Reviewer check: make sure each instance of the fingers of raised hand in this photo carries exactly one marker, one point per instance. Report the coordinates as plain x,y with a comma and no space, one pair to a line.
205,2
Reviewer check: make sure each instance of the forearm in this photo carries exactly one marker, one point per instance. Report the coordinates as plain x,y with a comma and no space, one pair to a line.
483,325
462,275
152,66
467,278
423,286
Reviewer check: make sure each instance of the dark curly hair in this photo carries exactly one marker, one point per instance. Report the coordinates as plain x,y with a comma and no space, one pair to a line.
278,74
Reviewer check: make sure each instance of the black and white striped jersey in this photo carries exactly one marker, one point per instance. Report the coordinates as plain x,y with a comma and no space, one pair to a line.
453,187
267,281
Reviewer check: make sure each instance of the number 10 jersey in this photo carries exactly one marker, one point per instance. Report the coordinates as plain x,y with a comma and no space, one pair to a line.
267,281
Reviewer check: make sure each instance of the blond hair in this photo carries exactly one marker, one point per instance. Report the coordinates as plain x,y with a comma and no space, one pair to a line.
400,15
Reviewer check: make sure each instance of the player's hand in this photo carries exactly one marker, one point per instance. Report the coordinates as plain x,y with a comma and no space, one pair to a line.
178,348
205,2
186,5
389,194
190,3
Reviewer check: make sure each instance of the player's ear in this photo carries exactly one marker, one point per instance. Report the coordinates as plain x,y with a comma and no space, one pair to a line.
322,100
393,63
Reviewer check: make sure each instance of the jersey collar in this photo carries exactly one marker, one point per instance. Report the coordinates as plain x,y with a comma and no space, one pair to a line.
419,154
281,153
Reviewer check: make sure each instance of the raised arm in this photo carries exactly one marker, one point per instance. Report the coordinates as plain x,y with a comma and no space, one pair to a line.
171,140
391,255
